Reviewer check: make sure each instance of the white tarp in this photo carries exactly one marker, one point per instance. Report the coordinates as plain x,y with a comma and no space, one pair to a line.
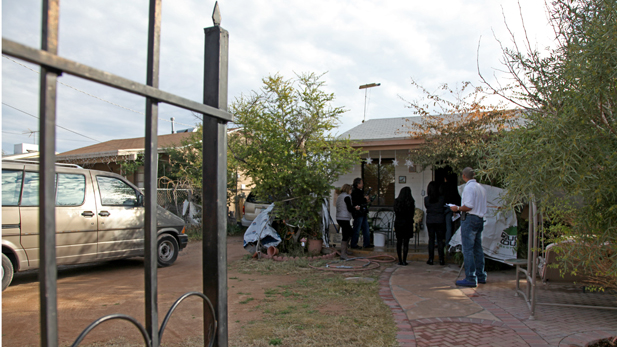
191,212
499,235
261,228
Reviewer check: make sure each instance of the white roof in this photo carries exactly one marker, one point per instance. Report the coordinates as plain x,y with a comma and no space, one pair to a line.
381,129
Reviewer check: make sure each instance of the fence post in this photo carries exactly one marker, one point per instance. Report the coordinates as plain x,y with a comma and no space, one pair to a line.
214,179
150,175
48,272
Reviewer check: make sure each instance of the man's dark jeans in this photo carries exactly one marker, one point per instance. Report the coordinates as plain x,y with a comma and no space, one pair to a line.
471,237
358,222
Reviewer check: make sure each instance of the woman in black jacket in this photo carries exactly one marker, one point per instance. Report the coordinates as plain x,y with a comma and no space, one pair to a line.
435,222
404,209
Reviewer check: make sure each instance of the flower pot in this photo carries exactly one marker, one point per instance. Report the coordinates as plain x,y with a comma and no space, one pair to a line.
314,246
272,251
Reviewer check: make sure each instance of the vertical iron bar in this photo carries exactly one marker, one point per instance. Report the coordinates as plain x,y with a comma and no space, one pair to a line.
150,172
530,229
214,179
534,262
48,274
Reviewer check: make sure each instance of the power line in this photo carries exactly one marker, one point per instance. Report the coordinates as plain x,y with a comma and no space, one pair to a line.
24,134
94,96
61,127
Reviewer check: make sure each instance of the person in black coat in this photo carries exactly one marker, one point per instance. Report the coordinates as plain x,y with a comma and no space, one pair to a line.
435,222
404,210
451,196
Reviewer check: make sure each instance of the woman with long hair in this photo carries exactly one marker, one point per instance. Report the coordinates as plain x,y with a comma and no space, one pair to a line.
404,210
435,222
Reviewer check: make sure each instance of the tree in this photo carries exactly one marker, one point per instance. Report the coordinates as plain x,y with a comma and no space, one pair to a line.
185,161
285,147
456,128
565,156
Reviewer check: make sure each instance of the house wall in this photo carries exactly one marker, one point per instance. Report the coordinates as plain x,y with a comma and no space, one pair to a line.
417,181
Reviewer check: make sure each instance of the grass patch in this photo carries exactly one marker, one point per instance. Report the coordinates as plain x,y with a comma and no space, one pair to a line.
247,300
194,232
317,309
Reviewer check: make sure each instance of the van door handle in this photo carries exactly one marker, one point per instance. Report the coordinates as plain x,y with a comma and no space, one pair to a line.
87,213
103,213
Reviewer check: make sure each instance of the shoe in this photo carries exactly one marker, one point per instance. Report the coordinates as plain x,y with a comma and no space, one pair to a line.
355,247
401,263
430,262
405,263
344,251
465,283
442,262
482,281
369,246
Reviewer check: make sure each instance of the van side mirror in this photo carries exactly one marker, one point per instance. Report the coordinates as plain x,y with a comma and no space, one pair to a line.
140,200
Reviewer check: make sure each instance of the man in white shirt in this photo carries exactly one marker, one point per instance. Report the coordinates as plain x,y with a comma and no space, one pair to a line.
473,203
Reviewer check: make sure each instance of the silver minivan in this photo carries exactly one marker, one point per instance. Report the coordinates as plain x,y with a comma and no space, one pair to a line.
99,216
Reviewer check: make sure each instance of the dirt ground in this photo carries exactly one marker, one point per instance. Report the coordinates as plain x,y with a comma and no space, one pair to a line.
88,292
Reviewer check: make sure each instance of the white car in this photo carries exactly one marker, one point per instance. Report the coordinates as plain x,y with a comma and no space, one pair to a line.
251,209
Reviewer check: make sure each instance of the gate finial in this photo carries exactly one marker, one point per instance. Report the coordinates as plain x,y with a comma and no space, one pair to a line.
216,15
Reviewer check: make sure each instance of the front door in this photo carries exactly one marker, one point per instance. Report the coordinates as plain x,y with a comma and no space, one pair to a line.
120,218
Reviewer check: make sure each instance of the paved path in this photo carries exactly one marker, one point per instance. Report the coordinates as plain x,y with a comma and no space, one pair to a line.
431,311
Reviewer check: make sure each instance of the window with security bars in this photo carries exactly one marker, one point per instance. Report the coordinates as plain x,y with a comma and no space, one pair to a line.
380,178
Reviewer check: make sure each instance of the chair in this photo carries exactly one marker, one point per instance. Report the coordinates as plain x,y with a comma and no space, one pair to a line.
383,221
418,217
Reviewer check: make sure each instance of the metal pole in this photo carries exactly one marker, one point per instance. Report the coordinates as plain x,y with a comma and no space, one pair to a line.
365,94
365,87
534,262
214,179
150,173
48,272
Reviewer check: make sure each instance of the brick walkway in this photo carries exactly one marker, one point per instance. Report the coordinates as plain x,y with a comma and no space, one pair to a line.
511,326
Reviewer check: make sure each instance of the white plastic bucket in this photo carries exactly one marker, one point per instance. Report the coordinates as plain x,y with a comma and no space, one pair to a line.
379,239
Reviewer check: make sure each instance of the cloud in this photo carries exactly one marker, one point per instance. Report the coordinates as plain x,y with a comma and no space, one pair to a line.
356,42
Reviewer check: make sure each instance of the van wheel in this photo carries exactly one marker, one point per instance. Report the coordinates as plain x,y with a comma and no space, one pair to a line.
167,250
7,271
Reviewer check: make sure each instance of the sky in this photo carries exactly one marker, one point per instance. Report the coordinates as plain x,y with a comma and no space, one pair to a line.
352,42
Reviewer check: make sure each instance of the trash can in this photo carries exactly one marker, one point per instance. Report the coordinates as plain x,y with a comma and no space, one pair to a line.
379,239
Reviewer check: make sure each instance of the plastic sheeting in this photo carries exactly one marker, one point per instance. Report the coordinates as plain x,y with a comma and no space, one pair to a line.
499,236
261,228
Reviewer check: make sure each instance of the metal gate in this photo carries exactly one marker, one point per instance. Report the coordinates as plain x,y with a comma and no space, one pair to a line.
215,118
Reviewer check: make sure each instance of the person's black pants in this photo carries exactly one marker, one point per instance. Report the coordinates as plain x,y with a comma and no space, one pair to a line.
436,231
345,229
402,248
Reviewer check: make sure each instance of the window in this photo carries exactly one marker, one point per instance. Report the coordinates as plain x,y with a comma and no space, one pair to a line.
380,177
11,187
31,189
71,190
115,192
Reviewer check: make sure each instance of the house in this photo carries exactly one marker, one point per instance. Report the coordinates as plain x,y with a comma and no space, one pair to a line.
107,156
387,166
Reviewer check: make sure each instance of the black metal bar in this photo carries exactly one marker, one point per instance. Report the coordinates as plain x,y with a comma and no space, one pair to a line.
214,180
207,337
35,56
101,320
150,176
48,272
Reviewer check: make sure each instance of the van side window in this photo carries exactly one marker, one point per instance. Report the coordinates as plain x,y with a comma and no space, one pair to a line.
71,189
31,189
11,187
115,192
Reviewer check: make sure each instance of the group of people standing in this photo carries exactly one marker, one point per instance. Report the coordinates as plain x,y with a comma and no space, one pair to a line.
442,202
352,203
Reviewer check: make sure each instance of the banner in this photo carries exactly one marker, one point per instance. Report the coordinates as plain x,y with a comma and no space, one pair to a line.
499,236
